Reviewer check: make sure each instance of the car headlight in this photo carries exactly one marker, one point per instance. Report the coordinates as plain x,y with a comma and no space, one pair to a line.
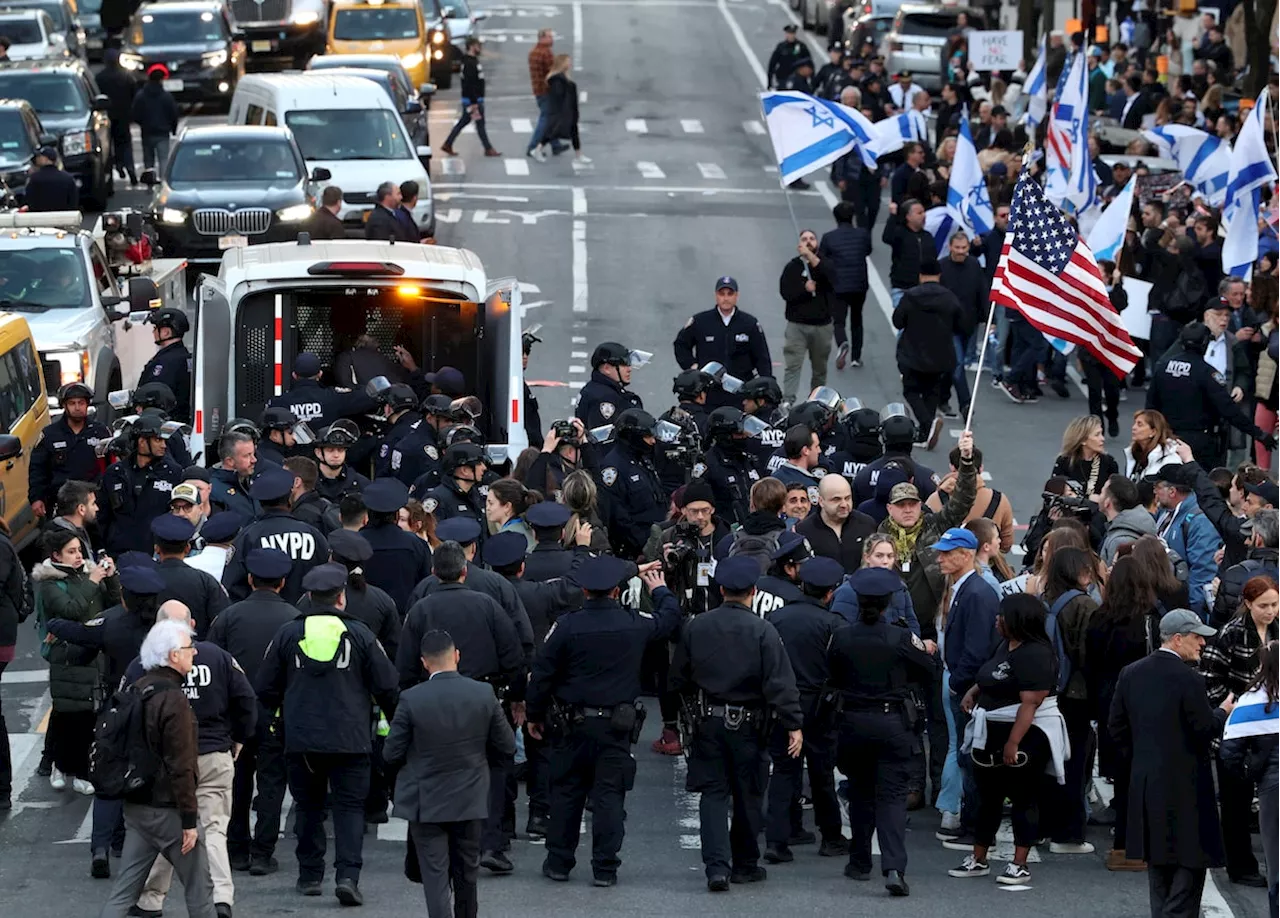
412,60
213,58
295,214
130,61
73,366
77,144
437,38
305,18
172,217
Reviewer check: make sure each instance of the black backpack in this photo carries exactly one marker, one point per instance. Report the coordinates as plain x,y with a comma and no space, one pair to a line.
1184,301
122,762
759,547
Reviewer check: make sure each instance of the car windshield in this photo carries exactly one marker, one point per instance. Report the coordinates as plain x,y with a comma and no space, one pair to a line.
375,24
14,142
21,31
38,279
57,12
932,25
456,8
197,163
177,28
348,134
48,93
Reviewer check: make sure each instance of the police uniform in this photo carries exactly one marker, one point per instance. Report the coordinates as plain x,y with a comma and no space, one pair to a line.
761,449
784,57
399,429
319,405
872,667
317,511
739,344
549,558
775,590
586,681
320,671
63,455
416,456
806,628
203,595
276,528
399,560
634,497
227,492
245,630
270,451
602,399
532,417
732,668
790,474
171,365
731,473
129,498
446,500
347,479
864,483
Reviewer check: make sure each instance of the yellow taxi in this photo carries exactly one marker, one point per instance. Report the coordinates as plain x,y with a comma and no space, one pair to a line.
386,27
24,414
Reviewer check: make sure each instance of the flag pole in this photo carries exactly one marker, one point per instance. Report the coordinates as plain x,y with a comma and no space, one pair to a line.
786,189
982,356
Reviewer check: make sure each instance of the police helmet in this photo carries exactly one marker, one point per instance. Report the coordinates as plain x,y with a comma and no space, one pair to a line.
398,397
463,433
440,406
278,418
244,426
692,383
633,425
724,423
612,353
171,318
864,422
815,415
147,425
155,395
74,390
1195,336
342,432
896,426
762,389
461,454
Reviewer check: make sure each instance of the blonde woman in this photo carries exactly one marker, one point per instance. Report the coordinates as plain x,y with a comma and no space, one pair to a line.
581,497
1084,456
878,551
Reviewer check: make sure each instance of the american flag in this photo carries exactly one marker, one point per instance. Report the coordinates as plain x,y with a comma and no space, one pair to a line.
1047,273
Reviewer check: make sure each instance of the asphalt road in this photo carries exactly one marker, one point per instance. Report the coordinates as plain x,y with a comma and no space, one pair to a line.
681,189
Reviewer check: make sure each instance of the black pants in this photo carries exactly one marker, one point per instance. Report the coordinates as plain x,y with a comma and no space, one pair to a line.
342,778
1235,799
1029,349
261,759
6,760
1120,803
1209,447
729,769
1175,891
1104,389
939,741
1164,334
593,760
1021,784
851,303
71,733
536,765
122,149
449,859
379,784
867,198
788,778
494,837
875,751
1067,809
924,393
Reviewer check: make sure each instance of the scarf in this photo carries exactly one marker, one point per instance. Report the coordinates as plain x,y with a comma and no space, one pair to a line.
904,540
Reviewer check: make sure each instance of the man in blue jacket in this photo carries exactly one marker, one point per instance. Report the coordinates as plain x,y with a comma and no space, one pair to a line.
846,249
1187,532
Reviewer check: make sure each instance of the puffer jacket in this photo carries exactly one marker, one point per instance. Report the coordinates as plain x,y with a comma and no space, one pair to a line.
1226,605
847,247
1128,526
1164,454
75,672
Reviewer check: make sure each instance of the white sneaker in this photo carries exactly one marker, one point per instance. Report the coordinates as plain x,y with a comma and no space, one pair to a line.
970,867
585,160
81,786
536,153
1070,848
1014,875
57,780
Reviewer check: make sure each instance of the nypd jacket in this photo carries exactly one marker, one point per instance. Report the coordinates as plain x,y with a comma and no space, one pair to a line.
320,406
415,455
739,344
171,365
129,498
496,587
481,631
277,529
203,595
61,456
245,629
320,671
377,610
634,498
221,697
601,399
400,562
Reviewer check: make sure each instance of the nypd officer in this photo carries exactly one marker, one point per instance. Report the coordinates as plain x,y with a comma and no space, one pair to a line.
276,528
549,558
734,673
872,665
337,477
417,454
761,398
806,628
1195,400
279,442
462,467
532,416
48,188
67,450
897,435
785,55
586,709
136,490
171,364
319,405
320,671
400,560
245,630
634,494
781,585
727,466
606,394
196,589
692,388
397,406
727,335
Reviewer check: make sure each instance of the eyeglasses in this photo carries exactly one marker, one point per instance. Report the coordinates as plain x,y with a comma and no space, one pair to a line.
190,647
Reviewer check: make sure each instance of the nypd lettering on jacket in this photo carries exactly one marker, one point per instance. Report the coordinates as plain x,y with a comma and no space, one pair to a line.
300,546
307,411
201,676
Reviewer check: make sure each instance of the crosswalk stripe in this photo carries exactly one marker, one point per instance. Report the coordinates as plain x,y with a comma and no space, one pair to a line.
691,125
650,170
453,165
711,171
522,125
516,166
753,127
637,126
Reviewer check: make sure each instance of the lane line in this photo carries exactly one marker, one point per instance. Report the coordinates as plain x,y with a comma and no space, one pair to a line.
650,170
669,189
753,127
580,288
582,97
516,166
522,125
577,35
691,125
26,676
711,171
637,126
736,30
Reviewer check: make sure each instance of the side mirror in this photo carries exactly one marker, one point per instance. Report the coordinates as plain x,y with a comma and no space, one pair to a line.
144,296
10,447
412,107
101,103
320,174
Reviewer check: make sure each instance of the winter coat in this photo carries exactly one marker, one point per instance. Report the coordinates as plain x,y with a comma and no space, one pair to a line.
968,281
562,116
1230,661
847,248
1163,454
1073,625
929,316
75,673
1128,526
803,307
154,111
14,593
1226,604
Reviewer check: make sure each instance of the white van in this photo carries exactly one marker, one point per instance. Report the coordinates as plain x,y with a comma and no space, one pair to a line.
345,124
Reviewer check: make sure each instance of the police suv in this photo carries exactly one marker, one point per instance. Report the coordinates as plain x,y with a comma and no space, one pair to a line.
271,302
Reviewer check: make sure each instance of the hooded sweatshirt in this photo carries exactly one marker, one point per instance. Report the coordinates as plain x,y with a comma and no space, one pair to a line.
1128,526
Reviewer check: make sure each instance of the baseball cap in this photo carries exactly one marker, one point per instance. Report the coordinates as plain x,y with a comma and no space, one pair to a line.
1267,490
448,379
49,152
903,492
1184,621
1216,303
306,364
726,281
956,538
185,492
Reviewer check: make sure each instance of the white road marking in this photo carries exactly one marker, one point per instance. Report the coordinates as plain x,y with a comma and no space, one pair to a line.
736,30
772,170
522,125
580,289
449,215
535,304
577,35
650,170
528,287
578,355
577,370
691,126
878,289
582,97
516,166
711,171
578,339
753,127
500,198
687,804
637,126
482,216
26,676
453,165
580,166
663,189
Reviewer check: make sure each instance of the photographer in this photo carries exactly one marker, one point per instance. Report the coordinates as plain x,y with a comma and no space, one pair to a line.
561,452
1062,499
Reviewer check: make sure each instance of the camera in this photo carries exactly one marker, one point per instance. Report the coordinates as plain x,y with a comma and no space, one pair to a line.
564,430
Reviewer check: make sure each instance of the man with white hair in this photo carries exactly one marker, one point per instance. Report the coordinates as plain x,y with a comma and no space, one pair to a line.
164,820
226,708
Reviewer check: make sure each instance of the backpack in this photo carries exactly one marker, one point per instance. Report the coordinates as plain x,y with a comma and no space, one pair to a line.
42,623
1185,299
1055,636
122,762
759,547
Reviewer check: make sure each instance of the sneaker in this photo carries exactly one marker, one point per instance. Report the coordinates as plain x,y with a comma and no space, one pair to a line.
585,160
551,873
1060,388
1070,848
855,362
310,887
1014,875
947,833
963,842
935,431
970,867
1031,396
536,153
604,880
718,883
842,356
536,827
896,883
668,743
1009,389
496,862
57,780
81,786
948,412
347,892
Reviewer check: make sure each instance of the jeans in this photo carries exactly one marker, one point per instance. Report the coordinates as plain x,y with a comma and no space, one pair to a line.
155,151
958,379
850,303
969,797
481,129
108,826
895,296
1029,347
535,139
341,781
949,793
799,340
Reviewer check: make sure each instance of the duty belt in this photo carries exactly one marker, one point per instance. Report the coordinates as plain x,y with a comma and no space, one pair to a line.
873,707
594,711
734,715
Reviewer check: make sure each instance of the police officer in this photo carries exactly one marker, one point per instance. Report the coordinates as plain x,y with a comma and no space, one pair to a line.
897,434
279,440
397,404
463,467
762,398
806,628
336,476
307,505
171,364
634,495
417,454
872,665
862,430
320,671
727,466
588,712
245,630
156,398
67,451
678,452
1195,400
785,54
196,589
781,585
48,187
400,560
731,668
549,558
726,335
532,417
692,387
229,490
606,394
823,420
135,490
276,528
318,405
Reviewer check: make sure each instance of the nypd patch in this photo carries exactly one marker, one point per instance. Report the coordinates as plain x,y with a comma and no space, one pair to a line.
606,410
609,476
431,452
699,469
430,504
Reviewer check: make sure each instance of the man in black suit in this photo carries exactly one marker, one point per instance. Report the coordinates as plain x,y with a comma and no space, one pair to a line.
1161,717
445,732
383,223
1136,103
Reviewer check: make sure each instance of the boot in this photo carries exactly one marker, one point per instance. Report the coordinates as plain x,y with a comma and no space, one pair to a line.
668,743
1118,860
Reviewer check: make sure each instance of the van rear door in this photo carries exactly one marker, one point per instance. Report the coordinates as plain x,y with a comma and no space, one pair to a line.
211,364
502,351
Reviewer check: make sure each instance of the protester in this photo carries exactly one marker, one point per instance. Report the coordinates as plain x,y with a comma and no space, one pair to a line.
807,287
1084,457
847,248
878,552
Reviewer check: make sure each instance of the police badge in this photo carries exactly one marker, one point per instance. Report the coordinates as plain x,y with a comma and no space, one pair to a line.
606,410
430,504
609,475
699,469
431,452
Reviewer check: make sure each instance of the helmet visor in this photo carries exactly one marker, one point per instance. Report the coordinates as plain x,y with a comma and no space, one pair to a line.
825,395
666,432
893,410
376,386
637,359
753,426
600,434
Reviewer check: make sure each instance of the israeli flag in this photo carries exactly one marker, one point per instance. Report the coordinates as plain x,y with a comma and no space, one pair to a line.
1251,168
1107,235
809,133
891,133
1035,89
1071,184
1205,160
1253,715
941,223
967,192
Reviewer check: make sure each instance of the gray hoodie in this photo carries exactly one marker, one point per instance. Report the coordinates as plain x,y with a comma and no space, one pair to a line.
1128,526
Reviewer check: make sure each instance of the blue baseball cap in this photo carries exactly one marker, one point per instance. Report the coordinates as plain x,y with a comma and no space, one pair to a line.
505,548
448,380
822,573
461,529
737,574
874,581
601,573
726,282
268,563
956,538
306,364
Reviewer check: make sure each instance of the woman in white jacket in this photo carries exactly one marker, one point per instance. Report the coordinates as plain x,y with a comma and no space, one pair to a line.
1153,445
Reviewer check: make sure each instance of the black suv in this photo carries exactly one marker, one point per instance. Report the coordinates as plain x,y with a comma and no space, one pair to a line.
66,97
226,187
195,44
20,136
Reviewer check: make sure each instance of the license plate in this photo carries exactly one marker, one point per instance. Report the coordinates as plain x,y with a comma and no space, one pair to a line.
261,46
232,241
172,85
93,44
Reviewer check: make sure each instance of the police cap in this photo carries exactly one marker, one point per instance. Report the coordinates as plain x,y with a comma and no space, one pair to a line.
268,563
822,573
505,548
142,579
350,546
874,581
737,574
602,573
325,578
461,529
222,527
272,484
448,380
547,515
170,528
386,495
134,559
306,365
792,546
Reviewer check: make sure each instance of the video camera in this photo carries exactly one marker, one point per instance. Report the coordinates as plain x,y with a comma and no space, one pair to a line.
680,559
